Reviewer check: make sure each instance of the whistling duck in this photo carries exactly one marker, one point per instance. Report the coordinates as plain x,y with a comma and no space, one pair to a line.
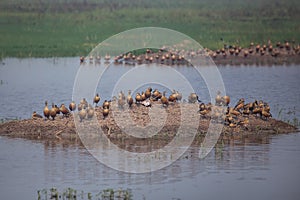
90,112
64,110
105,112
193,98
138,98
265,114
129,99
148,92
82,114
84,102
35,115
218,98
156,95
57,109
106,104
178,96
53,112
81,59
72,106
107,57
164,100
46,110
173,96
143,96
121,102
240,104
80,106
96,99
226,100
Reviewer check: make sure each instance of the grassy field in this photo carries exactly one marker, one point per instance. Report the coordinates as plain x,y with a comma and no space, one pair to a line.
44,28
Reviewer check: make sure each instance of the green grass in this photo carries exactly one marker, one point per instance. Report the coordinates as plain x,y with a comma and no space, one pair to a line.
40,28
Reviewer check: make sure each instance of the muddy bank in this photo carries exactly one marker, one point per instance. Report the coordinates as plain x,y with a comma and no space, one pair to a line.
63,128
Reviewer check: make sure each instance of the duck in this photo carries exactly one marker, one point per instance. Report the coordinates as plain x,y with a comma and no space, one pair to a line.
226,100
64,110
105,112
90,112
143,96
240,104
193,98
129,99
53,112
81,59
35,115
148,92
156,95
164,100
106,104
80,107
107,57
96,99
121,102
266,114
57,109
84,102
218,98
178,96
82,114
46,110
138,98
173,97
72,106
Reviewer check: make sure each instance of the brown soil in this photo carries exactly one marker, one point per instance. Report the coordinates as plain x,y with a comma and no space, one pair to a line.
63,129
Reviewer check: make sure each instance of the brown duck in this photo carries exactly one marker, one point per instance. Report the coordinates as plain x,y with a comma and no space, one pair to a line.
90,112
46,110
35,115
164,100
64,110
82,114
72,106
129,99
105,112
96,99
53,112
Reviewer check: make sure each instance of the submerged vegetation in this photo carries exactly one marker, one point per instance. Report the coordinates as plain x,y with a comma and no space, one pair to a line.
44,28
73,194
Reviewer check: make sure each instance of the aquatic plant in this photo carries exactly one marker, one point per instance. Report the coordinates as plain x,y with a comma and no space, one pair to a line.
71,194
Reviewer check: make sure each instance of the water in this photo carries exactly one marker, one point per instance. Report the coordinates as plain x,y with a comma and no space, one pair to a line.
27,83
267,169
240,171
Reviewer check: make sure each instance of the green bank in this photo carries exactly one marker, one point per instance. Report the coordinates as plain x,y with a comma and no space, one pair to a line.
44,28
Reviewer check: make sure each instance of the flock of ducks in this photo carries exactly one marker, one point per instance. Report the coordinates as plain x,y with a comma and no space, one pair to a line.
220,111
176,57
274,50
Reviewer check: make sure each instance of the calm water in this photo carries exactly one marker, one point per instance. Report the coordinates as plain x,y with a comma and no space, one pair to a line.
263,170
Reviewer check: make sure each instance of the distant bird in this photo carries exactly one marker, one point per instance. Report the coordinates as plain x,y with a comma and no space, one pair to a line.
96,99
121,102
36,115
72,106
53,112
46,110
